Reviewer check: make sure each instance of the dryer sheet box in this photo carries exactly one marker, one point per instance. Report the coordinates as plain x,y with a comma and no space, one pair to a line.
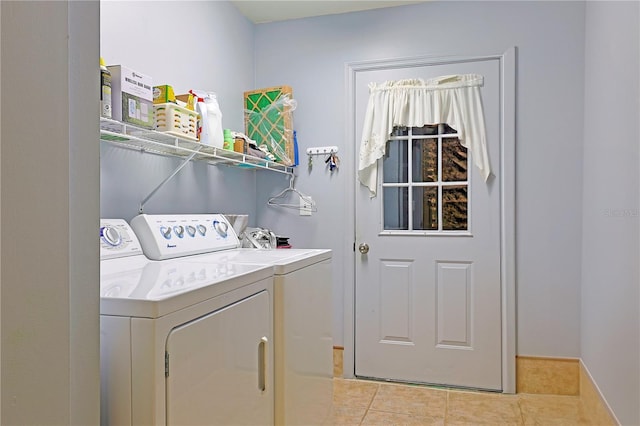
132,96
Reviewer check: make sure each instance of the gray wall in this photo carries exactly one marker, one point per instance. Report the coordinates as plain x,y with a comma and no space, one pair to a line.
310,55
566,306
49,215
610,339
189,45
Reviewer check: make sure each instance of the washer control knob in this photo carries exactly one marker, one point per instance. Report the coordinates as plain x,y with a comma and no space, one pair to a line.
111,236
166,232
179,230
221,228
191,230
202,230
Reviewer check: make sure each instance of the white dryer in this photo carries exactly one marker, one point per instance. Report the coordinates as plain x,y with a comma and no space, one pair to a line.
302,331
183,342
302,316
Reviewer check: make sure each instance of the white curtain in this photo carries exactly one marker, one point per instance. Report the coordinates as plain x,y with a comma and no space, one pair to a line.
453,99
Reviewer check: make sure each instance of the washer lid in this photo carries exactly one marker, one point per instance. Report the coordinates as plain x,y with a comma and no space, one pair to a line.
168,286
283,261
118,276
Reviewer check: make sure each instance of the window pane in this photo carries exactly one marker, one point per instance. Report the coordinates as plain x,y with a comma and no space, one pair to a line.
425,130
400,131
425,210
454,208
396,216
425,160
454,161
446,129
395,163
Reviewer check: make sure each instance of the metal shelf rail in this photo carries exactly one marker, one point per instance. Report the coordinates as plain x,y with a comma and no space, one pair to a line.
133,137
144,140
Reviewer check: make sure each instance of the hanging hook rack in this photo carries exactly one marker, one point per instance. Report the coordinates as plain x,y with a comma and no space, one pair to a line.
322,150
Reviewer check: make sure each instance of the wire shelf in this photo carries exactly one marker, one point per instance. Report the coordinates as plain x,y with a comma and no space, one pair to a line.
133,137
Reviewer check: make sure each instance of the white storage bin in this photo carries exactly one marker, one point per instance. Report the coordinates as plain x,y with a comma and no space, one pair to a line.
176,120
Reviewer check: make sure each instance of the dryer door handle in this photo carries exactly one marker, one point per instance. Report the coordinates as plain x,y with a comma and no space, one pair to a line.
262,363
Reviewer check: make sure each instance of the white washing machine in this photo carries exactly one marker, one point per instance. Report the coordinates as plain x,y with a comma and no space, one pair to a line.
302,318
184,342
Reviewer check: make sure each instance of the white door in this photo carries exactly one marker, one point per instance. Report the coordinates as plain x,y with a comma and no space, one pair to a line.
428,292
219,367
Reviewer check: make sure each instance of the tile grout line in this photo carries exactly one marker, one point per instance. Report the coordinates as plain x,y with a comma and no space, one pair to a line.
446,408
370,402
519,400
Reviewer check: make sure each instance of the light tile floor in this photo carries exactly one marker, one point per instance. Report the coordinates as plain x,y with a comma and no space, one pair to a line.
359,402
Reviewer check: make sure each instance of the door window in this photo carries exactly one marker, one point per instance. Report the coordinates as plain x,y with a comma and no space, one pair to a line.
425,181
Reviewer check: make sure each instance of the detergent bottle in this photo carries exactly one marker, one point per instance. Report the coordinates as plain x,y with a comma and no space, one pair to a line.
210,118
203,132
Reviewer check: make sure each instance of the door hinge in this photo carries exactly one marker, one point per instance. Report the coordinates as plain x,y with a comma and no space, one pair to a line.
166,364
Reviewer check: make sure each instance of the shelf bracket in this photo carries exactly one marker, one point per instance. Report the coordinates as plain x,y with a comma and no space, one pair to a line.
168,178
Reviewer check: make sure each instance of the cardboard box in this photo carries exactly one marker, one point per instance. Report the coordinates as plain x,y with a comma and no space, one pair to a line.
184,98
163,94
132,96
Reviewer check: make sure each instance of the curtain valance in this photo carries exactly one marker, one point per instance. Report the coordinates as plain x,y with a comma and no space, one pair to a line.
453,99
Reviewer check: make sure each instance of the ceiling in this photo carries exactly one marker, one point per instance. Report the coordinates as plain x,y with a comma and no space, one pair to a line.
262,11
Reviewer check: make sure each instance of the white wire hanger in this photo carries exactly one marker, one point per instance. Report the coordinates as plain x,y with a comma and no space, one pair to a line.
282,199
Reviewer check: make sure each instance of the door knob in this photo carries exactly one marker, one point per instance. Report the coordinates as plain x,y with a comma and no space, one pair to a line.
363,248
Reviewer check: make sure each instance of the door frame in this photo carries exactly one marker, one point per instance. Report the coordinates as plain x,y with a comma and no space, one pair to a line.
507,185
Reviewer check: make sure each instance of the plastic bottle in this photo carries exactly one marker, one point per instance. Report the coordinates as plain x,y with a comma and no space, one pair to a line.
215,120
228,140
105,90
201,109
210,118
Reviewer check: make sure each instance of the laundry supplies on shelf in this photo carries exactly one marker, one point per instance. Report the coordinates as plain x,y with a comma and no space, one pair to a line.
128,136
175,120
163,94
105,90
207,107
132,96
